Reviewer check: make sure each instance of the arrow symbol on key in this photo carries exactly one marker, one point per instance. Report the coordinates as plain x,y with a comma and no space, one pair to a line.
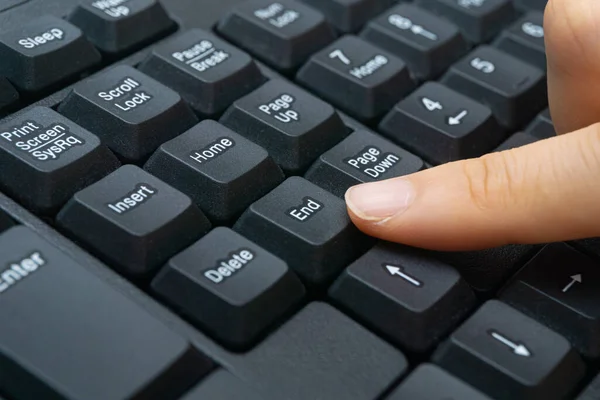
575,278
397,271
517,348
458,118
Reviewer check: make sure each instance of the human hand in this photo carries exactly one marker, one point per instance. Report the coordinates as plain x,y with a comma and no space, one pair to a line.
544,192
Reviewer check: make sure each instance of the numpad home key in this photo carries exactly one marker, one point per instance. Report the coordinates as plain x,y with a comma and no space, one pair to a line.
172,223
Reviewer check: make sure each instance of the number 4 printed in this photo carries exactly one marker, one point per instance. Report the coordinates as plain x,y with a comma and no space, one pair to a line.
431,105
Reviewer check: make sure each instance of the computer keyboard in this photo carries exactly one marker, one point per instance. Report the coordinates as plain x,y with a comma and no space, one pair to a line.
172,223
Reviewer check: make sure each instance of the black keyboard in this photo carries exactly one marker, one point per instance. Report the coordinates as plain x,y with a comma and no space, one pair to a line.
172,223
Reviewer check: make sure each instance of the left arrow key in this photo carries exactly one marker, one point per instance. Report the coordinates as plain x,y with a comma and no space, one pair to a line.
421,293
45,53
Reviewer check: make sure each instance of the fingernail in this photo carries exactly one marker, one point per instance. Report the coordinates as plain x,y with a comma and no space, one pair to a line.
380,200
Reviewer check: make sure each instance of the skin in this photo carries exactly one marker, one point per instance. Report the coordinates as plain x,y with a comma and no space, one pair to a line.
544,192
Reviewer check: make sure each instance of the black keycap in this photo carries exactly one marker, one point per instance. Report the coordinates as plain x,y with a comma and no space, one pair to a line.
361,157
230,287
8,96
517,140
591,391
133,220
525,39
538,5
46,158
66,334
510,356
44,53
5,221
589,246
283,33
542,126
294,126
220,170
486,270
560,287
117,26
357,77
513,89
221,384
429,382
479,20
425,297
131,112
349,15
207,72
427,43
442,125
321,354
306,226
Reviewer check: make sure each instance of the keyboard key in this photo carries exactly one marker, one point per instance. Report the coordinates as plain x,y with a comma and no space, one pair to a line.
428,382
66,334
517,140
221,384
230,287
525,39
513,89
349,15
589,246
322,354
122,25
486,270
5,221
139,221
283,33
426,297
307,227
220,170
207,72
560,287
131,112
539,5
591,391
294,126
361,157
427,43
510,356
8,96
44,53
542,126
442,125
46,159
357,77
480,20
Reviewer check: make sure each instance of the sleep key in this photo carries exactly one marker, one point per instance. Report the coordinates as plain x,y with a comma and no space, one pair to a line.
46,158
131,112
208,73
361,157
229,286
44,53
